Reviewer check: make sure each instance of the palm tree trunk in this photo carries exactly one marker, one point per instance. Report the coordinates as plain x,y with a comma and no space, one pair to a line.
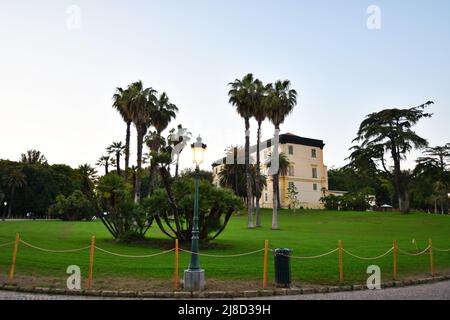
154,165
248,176
177,165
275,186
258,174
127,150
118,162
106,169
140,142
275,202
236,185
152,177
278,194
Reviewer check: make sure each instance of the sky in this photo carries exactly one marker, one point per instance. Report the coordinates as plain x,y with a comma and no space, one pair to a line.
60,62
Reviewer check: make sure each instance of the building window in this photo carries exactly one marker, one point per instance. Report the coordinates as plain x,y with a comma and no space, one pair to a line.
266,198
314,173
290,171
315,186
291,150
313,153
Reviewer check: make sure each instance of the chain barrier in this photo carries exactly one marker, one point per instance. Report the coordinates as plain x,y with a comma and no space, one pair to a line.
223,256
6,244
365,258
132,256
312,257
414,254
53,251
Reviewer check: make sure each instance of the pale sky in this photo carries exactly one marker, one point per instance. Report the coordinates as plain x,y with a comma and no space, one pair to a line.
56,83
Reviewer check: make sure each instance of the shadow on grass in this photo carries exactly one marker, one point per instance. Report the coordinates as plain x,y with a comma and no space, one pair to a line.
165,244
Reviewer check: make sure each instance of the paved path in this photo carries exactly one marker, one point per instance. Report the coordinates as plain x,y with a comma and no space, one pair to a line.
434,291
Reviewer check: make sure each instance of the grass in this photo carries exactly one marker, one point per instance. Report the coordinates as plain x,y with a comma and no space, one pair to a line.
308,233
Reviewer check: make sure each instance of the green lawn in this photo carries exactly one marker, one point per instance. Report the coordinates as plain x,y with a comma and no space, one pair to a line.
308,233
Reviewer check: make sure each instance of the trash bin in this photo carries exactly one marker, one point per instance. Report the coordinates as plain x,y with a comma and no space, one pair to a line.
282,267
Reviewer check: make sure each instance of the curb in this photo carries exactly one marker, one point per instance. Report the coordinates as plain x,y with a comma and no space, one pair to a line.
217,294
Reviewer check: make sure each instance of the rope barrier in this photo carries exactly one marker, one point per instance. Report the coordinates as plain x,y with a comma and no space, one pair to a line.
312,257
223,256
414,254
6,244
53,251
373,258
132,256
442,250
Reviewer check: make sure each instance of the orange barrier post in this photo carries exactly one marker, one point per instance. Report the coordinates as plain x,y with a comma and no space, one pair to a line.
341,269
13,265
175,276
266,253
431,258
395,259
91,262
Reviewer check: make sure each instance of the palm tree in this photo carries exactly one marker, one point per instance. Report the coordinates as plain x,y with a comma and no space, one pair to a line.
33,157
122,100
436,157
14,180
160,117
116,148
105,161
260,114
142,104
243,96
87,176
435,164
233,176
280,103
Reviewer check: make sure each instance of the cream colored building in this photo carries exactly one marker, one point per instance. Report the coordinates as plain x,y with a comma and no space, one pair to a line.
307,170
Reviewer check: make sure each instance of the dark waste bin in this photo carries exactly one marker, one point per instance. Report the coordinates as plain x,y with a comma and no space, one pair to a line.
282,267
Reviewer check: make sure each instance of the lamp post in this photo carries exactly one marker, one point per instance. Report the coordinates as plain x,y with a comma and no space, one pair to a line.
194,276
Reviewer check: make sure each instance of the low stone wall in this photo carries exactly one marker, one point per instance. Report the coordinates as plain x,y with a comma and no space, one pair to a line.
217,294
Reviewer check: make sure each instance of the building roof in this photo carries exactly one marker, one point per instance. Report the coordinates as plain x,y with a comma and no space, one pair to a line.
286,138
294,139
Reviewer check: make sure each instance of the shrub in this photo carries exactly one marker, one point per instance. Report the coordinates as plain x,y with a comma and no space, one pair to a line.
124,219
357,201
173,208
74,207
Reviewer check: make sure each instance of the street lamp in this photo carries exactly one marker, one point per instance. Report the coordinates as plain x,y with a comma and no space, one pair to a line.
194,277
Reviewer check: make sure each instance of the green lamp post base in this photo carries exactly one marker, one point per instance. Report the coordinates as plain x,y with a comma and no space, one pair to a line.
194,280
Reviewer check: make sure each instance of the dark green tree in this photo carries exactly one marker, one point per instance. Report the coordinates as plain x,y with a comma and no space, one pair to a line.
14,180
390,132
33,157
